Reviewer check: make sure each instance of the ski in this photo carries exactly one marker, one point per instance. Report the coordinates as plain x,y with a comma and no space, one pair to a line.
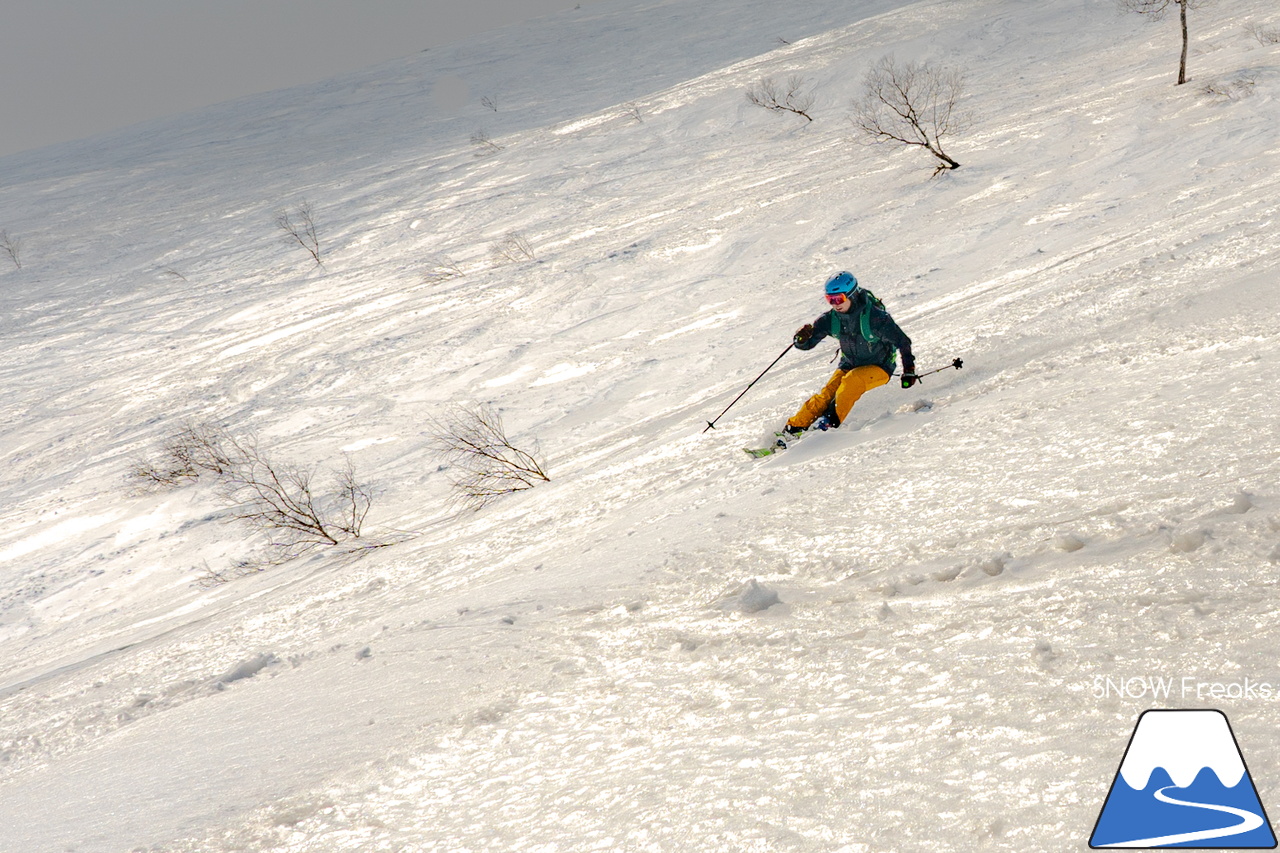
762,452
781,441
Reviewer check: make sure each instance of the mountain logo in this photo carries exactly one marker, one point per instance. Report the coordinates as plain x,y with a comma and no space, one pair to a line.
1183,783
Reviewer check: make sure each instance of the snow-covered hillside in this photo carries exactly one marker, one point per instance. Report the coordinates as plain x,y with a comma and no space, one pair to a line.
968,570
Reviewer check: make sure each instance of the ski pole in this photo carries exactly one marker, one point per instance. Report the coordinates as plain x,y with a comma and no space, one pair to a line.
955,363
712,424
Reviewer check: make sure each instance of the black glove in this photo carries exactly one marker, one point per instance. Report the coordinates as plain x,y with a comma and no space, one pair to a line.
909,379
803,335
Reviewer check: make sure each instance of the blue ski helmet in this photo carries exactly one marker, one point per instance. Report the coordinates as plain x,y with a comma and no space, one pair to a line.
841,282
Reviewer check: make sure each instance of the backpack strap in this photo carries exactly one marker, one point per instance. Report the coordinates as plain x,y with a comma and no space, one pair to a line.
864,319
869,301
865,322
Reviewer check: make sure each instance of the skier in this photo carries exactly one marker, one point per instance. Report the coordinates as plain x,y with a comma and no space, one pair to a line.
868,338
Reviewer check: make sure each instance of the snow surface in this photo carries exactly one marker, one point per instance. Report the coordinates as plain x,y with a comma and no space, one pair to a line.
981,580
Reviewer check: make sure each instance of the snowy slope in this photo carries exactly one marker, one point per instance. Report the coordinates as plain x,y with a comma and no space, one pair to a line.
1093,497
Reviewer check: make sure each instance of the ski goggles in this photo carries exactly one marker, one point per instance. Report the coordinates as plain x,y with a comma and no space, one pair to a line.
837,298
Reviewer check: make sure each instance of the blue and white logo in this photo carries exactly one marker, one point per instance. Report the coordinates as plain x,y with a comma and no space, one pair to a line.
1183,783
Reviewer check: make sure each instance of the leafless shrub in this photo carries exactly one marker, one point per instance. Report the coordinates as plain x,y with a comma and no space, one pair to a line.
487,465
173,273
195,450
1156,10
279,499
354,500
788,99
12,247
489,103
211,577
1265,35
282,501
632,110
513,248
485,146
1231,90
912,104
442,269
156,474
300,225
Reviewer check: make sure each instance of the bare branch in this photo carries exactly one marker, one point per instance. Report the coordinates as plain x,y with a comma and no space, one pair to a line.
485,145
912,104
12,247
443,269
195,450
1231,90
354,499
1155,8
279,499
790,99
473,441
513,248
301,227
1265,35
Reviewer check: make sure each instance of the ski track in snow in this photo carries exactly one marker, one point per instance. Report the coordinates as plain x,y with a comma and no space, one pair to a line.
1095,494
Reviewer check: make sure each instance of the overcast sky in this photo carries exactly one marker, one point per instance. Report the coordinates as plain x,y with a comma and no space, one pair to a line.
74,68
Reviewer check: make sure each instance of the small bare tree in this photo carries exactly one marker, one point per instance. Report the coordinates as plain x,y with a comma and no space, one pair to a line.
1230,90
12,247
353,501
912,104
473,440
195,450
300,225
513,248
1156,10
1265,35
788,99
442,269
485,146
279,499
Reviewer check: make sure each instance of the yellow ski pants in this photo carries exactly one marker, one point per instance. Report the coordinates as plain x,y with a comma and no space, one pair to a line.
844,387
